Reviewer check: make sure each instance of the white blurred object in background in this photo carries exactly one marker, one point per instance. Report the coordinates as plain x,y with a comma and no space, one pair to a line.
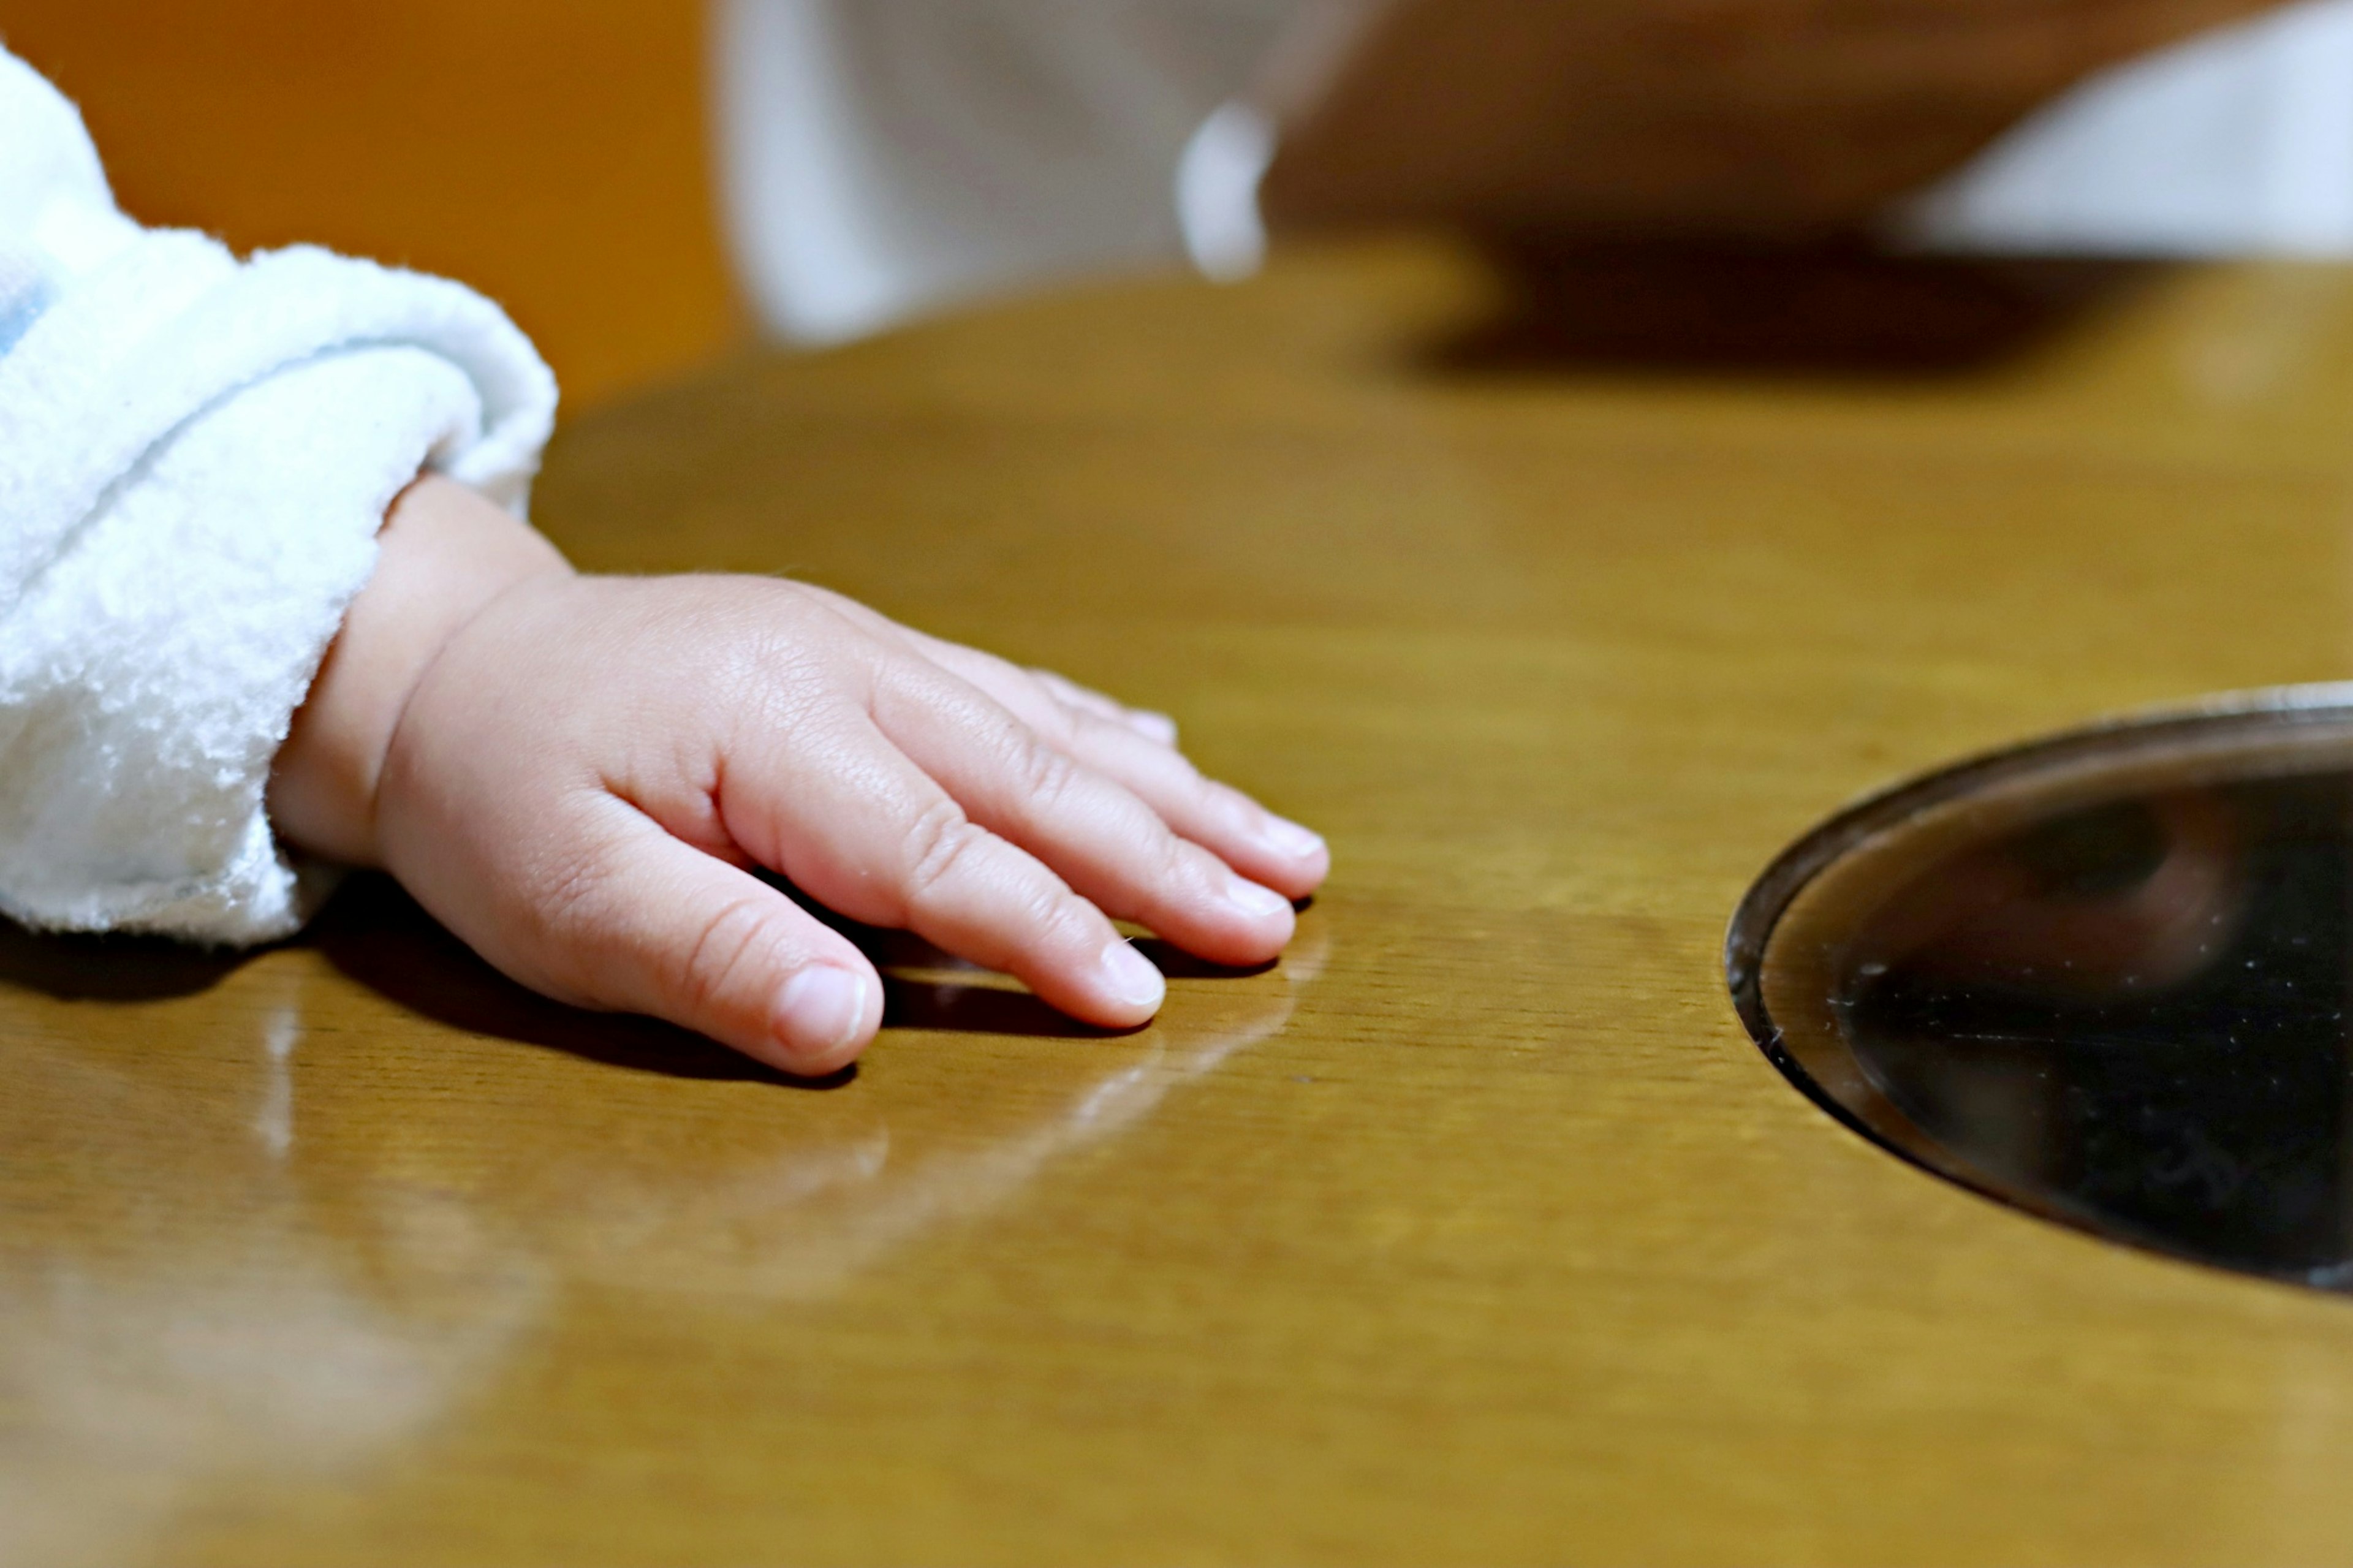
2238,142
883,159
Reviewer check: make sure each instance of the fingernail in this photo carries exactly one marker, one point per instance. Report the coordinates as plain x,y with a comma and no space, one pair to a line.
821,1008
1158,726
1254,901
1132,978
1290,839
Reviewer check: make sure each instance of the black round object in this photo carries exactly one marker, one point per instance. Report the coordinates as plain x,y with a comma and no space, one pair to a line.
2104,977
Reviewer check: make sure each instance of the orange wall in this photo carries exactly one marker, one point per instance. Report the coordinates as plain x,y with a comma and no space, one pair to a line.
551,152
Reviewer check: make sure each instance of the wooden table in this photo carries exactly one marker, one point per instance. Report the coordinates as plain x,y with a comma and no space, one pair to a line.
1476,1231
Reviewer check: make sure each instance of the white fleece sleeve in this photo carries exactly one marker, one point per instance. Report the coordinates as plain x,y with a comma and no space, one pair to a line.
196,453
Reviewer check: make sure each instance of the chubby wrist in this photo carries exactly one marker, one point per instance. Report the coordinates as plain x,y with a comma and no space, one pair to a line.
444,554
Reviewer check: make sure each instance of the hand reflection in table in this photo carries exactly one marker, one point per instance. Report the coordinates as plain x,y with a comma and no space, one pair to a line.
276,1247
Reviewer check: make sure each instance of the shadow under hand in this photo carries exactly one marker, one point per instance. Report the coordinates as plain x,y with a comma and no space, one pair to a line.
1838,311
926,988
376,933
992,1004
980,1008
71,967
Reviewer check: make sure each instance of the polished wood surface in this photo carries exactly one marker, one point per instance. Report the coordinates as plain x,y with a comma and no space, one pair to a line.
1476,1230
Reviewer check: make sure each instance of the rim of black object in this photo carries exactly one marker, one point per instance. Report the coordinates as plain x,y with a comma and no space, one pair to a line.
2266,711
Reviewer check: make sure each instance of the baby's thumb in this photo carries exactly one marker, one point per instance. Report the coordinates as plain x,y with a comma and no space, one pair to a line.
675,933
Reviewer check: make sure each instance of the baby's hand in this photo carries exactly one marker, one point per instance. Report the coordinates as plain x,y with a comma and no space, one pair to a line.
578,775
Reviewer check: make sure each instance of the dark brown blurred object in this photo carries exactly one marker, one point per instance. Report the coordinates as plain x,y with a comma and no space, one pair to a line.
1834,308
1754,118
550,152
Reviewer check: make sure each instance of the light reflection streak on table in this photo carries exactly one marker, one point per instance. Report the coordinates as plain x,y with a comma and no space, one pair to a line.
1475,1231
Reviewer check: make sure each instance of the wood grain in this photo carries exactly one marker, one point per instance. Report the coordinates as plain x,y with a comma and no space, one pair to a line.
1476,1231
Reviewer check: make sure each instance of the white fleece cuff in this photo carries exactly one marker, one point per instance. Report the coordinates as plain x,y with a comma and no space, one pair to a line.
195,457
151,673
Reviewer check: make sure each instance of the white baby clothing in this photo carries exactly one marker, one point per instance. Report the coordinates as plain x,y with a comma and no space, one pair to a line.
196,453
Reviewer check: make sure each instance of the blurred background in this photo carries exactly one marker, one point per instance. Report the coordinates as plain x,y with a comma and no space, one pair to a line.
553,154
644,183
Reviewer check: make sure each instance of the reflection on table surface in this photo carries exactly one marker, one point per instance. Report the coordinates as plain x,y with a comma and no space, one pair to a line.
1477,1230
296,1266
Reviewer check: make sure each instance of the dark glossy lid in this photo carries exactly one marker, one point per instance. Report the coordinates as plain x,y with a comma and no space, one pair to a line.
2104,977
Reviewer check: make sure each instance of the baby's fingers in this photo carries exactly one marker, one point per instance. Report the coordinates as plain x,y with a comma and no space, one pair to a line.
1098,836
1136,749
1027,694
1152,726
1267,849
661,928
843,813
1040,697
